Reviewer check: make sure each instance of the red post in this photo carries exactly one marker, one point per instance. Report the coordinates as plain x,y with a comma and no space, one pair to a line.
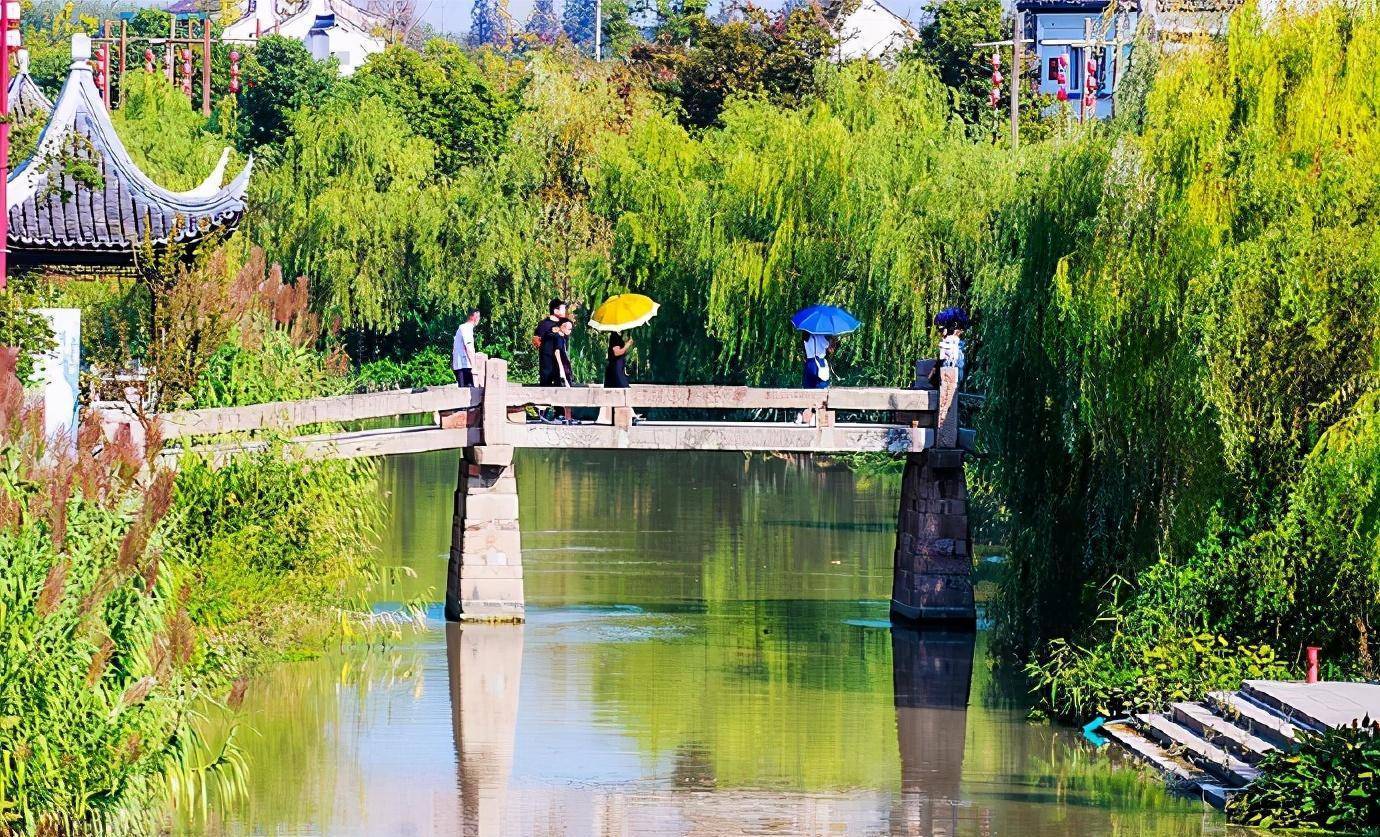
1312,676
206,66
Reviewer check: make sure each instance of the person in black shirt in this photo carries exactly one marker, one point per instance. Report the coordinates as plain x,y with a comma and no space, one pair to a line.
615,368
561,337
544,339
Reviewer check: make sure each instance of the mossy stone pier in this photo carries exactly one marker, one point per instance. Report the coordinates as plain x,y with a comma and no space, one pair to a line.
932,577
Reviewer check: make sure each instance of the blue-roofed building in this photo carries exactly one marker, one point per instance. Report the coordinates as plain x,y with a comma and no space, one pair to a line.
1058,28
1055,28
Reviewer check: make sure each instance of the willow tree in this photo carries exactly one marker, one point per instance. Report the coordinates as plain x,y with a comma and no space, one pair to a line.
867,197
1184,313
352,205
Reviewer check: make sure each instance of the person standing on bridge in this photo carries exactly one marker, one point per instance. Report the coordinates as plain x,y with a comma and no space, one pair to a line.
616,367
820,326
818,347
462,351
563,365
952,322
544,340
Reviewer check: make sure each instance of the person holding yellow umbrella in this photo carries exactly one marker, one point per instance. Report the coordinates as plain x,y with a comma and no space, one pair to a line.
616,315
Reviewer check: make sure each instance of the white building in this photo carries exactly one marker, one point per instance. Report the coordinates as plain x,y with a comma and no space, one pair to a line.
330,28
870,30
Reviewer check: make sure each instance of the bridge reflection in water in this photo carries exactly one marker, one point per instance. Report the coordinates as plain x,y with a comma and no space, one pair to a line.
931,678
931,673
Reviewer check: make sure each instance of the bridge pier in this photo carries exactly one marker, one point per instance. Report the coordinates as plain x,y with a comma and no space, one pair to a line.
484,577
932,574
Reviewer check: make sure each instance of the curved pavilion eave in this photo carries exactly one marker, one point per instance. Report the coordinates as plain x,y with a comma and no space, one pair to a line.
118,217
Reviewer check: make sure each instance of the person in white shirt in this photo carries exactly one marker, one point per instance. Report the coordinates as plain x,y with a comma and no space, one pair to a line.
817,373
462,351
817,349
951,351
952,322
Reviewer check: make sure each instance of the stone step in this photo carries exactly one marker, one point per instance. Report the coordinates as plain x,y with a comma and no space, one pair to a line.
1262,722
1178,772
1217,730
1182,741
1181,775
1318,706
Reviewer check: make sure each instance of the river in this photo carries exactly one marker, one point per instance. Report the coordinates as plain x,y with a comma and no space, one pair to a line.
706,652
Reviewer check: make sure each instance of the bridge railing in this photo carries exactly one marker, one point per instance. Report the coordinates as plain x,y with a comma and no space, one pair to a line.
489,415
334,409
678,397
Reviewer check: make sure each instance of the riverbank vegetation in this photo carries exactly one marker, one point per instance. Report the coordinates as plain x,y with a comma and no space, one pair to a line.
1176,309
1328,783
133,597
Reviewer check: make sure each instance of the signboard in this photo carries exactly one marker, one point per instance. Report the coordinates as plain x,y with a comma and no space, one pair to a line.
58,370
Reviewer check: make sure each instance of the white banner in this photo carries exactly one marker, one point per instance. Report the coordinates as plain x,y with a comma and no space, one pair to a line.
59,370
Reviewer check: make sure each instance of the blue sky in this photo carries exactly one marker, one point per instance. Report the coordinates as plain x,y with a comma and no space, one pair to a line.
454,15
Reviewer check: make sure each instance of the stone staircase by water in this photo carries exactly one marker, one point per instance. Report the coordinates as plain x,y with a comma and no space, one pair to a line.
1211,748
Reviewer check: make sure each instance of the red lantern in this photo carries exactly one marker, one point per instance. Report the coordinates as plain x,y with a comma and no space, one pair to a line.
234,72
1063,78
996,80
1090,87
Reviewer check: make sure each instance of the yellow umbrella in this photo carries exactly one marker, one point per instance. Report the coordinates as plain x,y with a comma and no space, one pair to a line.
623,311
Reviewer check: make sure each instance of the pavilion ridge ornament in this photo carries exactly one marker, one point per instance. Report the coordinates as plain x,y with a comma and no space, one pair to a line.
98,209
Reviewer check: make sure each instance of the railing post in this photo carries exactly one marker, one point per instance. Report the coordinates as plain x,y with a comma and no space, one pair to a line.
495,400
946,420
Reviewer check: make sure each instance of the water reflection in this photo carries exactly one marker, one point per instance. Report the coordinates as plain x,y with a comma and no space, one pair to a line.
706,652
484,667
931,675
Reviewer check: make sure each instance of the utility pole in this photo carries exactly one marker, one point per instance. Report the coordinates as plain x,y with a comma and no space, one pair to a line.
1017,69
1116,56
1087,56
9,16
598,28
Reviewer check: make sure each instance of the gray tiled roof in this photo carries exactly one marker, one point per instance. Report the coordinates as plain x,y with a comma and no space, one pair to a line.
27,99
55,220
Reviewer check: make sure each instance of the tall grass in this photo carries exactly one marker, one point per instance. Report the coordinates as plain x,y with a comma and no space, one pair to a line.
130,597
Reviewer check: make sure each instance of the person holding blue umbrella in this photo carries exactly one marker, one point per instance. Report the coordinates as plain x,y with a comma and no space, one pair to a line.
821,326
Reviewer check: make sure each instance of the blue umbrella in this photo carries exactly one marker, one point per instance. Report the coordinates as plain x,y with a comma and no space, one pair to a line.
824,319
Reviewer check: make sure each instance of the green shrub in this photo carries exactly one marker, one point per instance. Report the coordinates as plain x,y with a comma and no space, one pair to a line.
428,368
1329,782
101,661
262,364
1143,667
24,329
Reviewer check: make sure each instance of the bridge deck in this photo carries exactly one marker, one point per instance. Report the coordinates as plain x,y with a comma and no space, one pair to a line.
493,415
